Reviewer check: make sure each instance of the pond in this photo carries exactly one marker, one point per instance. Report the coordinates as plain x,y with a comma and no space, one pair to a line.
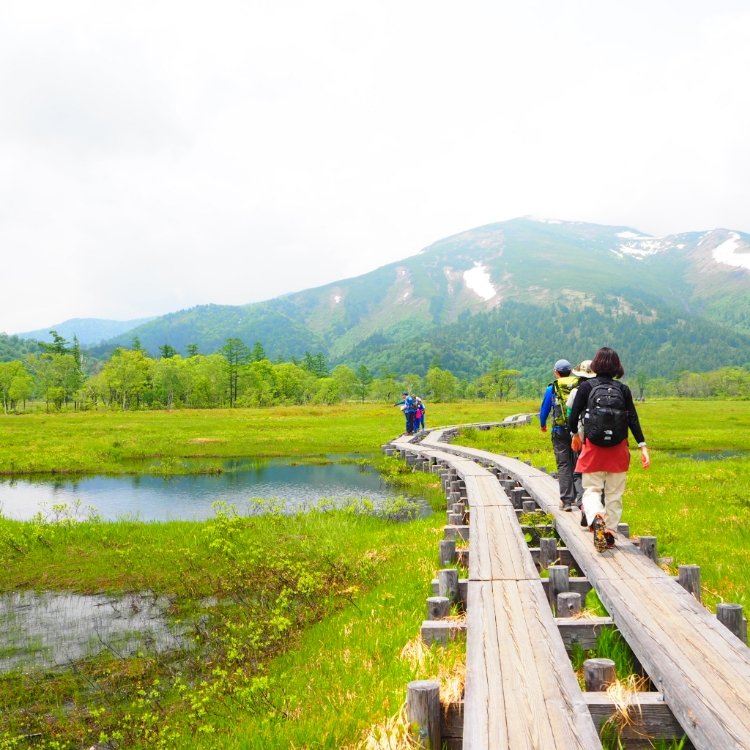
295,486
48,629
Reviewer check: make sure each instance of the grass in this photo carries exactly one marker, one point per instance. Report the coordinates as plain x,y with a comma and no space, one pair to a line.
304,646
154,442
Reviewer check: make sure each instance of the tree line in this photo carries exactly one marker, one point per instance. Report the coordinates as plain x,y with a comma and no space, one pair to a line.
241,376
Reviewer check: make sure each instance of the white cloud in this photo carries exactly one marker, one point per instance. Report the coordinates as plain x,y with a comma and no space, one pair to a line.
157,155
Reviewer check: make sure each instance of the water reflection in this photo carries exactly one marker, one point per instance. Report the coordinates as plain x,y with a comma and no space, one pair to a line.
52,629
163,498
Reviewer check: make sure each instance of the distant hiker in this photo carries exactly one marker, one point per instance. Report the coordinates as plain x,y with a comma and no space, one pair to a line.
419,414
553,403
408,405
582,371
607,408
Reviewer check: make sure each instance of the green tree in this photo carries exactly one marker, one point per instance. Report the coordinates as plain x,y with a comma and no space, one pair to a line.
128,376
258,352
236,354
16,384
441,384
364,380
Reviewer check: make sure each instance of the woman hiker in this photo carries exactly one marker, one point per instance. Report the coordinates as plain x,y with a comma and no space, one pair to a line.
604,467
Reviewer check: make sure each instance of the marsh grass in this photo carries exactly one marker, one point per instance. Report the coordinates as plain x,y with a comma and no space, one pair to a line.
156,442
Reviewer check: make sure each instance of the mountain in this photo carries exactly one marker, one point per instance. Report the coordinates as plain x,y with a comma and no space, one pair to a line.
88,331
525,291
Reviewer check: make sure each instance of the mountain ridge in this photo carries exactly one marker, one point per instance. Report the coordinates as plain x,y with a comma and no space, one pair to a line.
661,286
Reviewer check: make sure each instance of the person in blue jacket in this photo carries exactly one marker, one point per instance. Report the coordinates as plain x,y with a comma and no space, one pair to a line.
554,406
409,405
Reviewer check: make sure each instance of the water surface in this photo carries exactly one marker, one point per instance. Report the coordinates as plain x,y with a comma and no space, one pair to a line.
164,498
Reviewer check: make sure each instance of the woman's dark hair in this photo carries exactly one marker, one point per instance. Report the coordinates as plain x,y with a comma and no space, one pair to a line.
607,363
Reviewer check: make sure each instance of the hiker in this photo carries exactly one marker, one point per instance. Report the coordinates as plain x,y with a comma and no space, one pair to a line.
607,408
553,403
582,371
408,406
419,415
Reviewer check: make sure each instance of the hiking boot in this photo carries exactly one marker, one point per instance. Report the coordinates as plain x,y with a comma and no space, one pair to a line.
610,537
600,540
567,507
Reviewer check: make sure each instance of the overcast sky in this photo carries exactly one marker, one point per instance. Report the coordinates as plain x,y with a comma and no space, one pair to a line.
159,155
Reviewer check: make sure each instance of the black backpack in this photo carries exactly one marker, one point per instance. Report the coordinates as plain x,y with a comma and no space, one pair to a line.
605,421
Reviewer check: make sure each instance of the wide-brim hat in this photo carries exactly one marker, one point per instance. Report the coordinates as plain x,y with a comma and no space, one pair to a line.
583,370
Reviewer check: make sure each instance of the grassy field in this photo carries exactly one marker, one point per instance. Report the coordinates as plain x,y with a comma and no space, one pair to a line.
305,627
154,442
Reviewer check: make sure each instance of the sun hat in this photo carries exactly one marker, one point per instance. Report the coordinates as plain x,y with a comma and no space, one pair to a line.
562,365
584,370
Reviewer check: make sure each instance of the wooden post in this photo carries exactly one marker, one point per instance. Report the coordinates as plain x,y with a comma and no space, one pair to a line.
689,577
623,529
515,495
455,519
423,712
559,582
529,506
448,583
568,603
547,552
447,549
438,607
598,674
731,616
648,546
459,507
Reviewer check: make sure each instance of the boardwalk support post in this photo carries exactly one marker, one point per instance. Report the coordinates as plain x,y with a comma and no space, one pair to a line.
447,551
731,616
547,552
568,603
423,711
648,547
559,582
689,577
438,607
448,583
598,674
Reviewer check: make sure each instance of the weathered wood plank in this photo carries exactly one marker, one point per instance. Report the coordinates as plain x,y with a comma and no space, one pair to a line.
705,679
498,550
520,688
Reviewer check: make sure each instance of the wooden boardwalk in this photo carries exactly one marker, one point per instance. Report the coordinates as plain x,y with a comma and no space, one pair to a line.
521,691
520,688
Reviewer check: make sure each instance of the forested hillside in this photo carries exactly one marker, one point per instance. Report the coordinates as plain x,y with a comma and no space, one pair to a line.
523,291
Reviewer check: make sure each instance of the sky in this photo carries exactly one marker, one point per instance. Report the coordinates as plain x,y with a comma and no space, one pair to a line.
156,155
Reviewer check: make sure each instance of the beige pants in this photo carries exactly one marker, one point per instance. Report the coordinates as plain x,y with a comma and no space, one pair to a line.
613,486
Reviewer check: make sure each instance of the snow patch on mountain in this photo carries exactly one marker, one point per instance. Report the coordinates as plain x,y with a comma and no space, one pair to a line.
732,252
640,247
478,280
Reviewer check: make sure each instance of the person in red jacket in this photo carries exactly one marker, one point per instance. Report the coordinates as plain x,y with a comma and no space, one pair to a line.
604,469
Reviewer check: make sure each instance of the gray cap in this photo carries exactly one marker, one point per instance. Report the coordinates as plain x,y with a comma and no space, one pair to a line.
562,364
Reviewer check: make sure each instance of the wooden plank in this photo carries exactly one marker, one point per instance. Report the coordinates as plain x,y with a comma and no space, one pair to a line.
498,550
563,700
485,709
648,717
520,688
582,631
707,688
